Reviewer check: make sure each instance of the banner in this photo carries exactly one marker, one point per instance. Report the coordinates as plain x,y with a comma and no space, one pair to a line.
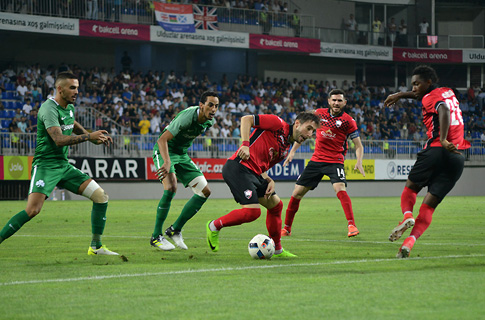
339,50
304,45
175,17
427,55
205,18
393,169
289,173
114,30
351,174
211,168
40,24
201,37
17,167
111,168
473,56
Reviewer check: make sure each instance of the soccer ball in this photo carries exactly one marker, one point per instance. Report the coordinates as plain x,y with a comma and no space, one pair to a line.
261,247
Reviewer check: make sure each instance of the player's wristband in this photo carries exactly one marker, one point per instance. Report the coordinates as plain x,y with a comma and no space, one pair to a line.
245,144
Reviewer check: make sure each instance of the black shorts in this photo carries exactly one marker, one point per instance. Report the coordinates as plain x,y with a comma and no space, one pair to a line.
246,186
314,172
438,169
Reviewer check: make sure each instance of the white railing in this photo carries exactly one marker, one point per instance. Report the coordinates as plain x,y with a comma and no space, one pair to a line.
203,147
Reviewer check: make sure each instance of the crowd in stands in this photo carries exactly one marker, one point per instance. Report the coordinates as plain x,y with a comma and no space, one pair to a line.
144,103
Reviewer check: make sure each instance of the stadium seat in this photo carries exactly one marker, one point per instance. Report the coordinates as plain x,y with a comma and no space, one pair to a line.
10,86
4,95
6,123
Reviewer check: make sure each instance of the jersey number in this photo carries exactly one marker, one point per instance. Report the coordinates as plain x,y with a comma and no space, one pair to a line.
455,112
341,173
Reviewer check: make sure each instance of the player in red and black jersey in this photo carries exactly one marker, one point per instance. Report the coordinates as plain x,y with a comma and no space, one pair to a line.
245,173
440,164
336,127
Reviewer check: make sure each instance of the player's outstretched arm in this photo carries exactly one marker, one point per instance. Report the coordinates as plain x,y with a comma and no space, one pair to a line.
96,138
290,156
359,152
395,97
61,140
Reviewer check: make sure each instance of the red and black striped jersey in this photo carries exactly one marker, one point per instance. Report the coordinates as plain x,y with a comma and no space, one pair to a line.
332,135
430,102
268,144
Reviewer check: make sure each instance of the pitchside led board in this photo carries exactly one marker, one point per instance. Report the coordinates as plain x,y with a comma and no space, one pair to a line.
16,167
351,174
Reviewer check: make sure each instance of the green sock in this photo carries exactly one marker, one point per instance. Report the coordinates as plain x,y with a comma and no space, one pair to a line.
189,210
98,221
162,212
14,224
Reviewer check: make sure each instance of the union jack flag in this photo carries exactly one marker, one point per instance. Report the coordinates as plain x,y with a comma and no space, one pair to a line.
205,18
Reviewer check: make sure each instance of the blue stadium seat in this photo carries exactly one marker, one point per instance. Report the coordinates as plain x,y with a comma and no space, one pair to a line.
10,86
6,123
4,95
3,114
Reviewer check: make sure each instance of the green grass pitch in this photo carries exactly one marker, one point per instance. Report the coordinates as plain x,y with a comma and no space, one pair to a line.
45,272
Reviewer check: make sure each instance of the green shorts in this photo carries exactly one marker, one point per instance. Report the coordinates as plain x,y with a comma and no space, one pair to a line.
184,168
45,179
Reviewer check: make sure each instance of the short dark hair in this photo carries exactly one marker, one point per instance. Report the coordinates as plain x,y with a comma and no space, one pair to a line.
426,73
203,97
336,91
308,116
65,75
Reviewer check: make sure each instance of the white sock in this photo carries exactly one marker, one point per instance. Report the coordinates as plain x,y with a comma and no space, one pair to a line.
212,226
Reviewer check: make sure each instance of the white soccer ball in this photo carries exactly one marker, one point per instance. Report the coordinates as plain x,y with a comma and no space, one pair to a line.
261,247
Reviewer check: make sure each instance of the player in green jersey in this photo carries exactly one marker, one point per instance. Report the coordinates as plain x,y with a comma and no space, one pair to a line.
172,163
50,166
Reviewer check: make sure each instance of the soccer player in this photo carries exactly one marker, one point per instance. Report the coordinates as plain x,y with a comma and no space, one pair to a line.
245,173
50,166
172,163
440,164
336,127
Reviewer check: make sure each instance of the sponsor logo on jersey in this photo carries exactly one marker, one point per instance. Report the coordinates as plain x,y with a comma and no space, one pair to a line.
40,184
248,194
273,154
65,127
328,134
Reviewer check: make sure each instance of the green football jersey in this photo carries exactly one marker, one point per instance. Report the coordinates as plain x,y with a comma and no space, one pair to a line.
185,128
51,114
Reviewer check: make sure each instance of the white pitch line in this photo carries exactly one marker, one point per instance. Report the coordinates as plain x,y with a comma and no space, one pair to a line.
190,271
240,239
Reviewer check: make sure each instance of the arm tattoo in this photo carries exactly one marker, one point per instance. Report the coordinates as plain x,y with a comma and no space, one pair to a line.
62,140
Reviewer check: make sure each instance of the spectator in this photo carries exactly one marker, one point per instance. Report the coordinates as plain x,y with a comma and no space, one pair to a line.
351,25
423,33
27,107
403,34
376,32
144,125
265,20
22,124
295,23
392,29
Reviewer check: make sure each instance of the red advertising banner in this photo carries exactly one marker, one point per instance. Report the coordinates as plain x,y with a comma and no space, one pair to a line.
91,28
211,168
260,41
427,55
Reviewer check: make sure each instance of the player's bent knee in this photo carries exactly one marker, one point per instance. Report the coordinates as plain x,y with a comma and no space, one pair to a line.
94,192
200,187
99,196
